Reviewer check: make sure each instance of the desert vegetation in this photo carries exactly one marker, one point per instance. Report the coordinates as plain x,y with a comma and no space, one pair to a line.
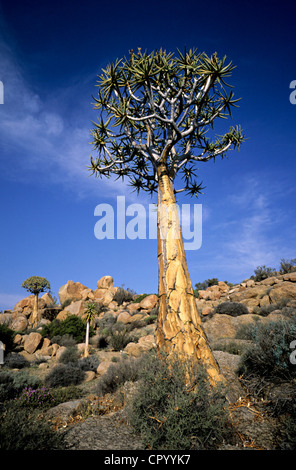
167,404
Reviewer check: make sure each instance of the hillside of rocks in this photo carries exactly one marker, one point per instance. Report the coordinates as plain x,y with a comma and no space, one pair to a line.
223,309
74,297
257,297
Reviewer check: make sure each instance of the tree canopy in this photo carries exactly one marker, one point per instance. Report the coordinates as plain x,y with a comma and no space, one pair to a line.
158,108
156,120
36,285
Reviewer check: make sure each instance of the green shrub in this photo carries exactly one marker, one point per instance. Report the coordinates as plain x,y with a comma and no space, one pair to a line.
72,325
150,319
204,285
119,335
247,331
7,336
11,384
69,355
89,363
22,379
287,266
119,339
230,346
16,361
168,414
116,334
63,394
269,358
196,293
126,370
24,429
281,305
107,321
233,309
123,295
63,340
64,374
263,272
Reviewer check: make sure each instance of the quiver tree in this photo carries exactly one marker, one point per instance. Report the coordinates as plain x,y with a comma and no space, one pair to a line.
36,285
89,316
156,120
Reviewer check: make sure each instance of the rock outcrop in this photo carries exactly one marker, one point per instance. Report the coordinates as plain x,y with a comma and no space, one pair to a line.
74,298
72,291
224,310
250,293
261,301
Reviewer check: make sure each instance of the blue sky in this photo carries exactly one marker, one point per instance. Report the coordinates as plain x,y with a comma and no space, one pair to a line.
50,55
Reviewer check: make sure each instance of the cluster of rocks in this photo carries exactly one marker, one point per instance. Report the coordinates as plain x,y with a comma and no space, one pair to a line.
256,296
251,293
74,298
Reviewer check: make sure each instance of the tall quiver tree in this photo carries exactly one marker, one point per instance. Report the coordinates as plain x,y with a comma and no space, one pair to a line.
36,285
156,120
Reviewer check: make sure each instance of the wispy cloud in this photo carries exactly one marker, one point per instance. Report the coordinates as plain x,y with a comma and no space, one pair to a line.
251,227
41,140
251,236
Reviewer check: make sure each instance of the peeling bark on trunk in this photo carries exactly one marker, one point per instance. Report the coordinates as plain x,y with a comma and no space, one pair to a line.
179,331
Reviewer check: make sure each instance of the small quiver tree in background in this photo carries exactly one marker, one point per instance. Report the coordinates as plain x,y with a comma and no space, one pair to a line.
156,119
89,316
36,285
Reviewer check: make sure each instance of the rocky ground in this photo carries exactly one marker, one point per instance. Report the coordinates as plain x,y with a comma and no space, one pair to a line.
255,427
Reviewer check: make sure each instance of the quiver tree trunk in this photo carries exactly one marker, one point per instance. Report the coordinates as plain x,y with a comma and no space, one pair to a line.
35,311
179,331
86,352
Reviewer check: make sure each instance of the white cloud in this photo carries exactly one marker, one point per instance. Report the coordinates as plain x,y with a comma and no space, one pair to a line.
45,141
252,234
251,227
53,123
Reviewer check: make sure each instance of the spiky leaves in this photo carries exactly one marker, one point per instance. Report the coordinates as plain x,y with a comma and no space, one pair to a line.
157,109
90,313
